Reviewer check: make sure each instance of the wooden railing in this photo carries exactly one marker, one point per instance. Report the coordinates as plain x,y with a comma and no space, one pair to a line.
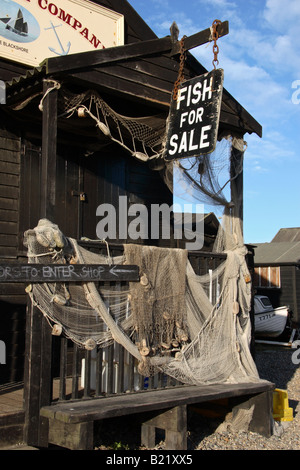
101,372
57,369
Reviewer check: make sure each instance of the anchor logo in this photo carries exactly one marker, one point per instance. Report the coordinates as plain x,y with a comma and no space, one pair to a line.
63,51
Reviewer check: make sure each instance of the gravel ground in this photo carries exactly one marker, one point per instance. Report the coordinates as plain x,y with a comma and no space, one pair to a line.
274,364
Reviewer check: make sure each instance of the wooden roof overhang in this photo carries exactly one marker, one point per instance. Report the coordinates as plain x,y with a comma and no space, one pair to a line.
142,72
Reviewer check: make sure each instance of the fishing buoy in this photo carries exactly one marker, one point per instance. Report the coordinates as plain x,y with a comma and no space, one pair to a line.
235,308
103,128
144,280
59,299
90,344
140,156
81,112
145,351
56,330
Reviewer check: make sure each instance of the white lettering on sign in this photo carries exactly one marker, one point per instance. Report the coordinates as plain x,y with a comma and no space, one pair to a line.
187,141
194,117
193,94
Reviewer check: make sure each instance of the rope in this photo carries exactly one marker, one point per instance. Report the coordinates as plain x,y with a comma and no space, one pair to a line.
56,86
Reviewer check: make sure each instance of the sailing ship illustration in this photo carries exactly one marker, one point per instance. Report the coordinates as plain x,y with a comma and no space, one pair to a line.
16,25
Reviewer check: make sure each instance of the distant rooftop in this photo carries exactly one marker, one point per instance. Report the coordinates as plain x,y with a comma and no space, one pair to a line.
287,235
277,252
283,249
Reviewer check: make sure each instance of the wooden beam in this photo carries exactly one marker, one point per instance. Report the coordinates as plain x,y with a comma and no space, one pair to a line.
84,60
200,38
49,148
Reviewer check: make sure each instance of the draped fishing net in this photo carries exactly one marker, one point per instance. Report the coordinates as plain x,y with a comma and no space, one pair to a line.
166,321
142,137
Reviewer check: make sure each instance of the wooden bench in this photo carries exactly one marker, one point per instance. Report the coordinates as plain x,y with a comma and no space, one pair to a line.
70,424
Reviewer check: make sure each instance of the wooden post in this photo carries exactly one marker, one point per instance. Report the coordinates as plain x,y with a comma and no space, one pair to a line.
37,375
174,422
236,173
261,405
49,147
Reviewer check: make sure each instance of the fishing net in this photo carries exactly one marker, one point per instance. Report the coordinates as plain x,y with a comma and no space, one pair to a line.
166,320
142,137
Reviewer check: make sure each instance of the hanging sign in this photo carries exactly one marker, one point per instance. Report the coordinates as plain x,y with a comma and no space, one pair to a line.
194,117
34,30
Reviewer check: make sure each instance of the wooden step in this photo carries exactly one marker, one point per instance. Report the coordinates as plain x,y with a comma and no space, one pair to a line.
11,428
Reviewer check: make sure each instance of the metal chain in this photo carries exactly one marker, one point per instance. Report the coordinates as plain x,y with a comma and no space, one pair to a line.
180,77
215,37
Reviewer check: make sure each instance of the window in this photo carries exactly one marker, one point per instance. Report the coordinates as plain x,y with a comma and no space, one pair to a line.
268,277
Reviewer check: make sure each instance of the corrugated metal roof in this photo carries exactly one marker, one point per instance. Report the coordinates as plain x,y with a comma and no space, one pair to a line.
37,71
287,235
280,252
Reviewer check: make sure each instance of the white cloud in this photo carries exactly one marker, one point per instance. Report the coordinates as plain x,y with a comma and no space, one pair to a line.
282,25
282,16
222,3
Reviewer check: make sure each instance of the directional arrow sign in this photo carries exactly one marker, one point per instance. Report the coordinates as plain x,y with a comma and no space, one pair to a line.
39,273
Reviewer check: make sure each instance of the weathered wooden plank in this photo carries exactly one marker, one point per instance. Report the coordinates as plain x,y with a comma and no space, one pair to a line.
11,289
200,38
9,180
8,252
109,55
74,437
174,422
11,273
32,375
68,215
12,144
30,188
116,84
129,51
9,228
9,191
132,74
101,408
8,215
8,204
9,168
10,156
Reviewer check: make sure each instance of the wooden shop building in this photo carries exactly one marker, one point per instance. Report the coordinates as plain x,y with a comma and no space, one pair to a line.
62,167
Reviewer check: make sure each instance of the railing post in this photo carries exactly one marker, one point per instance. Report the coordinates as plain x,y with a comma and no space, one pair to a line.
37,375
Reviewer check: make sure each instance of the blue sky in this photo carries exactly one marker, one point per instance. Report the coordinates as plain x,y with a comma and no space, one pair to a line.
261,62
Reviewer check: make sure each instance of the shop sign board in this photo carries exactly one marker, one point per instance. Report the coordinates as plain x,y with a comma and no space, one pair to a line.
194,117
34,30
